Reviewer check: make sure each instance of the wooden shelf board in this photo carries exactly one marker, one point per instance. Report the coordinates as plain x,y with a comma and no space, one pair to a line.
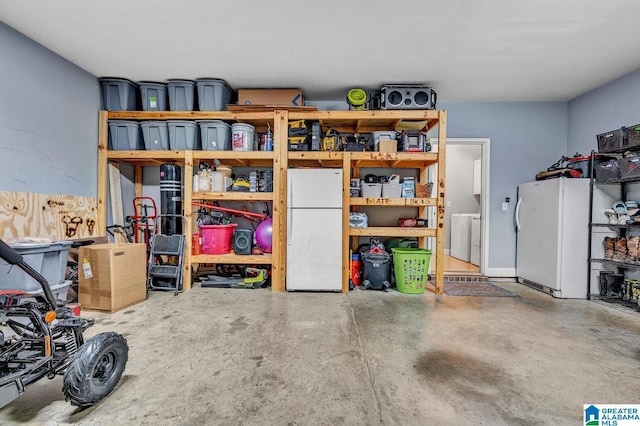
146,158
365,159
315,155
264,259
238,196
392,231
392,202
192,115
241,155
365,121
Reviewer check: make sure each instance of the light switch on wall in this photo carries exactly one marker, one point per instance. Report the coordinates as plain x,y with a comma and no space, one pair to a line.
448,203
505,207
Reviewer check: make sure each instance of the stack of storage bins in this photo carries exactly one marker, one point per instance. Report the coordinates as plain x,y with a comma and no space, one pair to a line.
177,95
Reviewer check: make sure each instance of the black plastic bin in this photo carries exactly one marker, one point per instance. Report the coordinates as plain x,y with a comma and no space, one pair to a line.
377,269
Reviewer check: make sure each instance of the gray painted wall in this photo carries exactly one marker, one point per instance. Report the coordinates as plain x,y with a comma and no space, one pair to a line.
608,107
526,137
48,120
459,196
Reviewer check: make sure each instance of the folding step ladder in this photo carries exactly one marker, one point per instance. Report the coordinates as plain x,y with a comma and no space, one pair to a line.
166,260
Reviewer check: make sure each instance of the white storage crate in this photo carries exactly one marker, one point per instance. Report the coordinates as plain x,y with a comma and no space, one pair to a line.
391,190
371,190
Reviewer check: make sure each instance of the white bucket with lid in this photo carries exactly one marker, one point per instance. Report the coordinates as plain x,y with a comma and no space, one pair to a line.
242,136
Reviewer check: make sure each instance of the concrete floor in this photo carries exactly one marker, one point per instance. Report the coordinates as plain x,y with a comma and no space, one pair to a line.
253,357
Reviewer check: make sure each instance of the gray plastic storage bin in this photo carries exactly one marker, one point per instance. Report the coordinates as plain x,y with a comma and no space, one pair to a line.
153,95
181,95
50,260
125,135
118,94
213,94
215,135
155,135
183,135
376,137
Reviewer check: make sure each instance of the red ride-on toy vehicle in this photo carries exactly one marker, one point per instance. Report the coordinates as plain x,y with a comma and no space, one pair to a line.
41,337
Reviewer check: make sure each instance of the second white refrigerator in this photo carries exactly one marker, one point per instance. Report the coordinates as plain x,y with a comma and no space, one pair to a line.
314,229
552,221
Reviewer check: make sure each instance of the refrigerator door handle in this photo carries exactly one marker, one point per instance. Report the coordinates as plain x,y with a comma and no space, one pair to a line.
518,213
289,226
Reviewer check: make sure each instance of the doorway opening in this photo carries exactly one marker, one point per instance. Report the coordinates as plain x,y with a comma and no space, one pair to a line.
466,207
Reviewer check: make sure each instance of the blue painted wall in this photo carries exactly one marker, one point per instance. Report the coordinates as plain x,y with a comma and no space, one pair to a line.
48,120
608,107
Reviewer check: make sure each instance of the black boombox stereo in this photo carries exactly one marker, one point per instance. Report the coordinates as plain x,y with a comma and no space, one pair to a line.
407,96
242,241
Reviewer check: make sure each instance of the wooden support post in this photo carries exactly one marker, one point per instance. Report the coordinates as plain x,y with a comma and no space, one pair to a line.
346,201
101,219
280,164
439,187
138,181
186,207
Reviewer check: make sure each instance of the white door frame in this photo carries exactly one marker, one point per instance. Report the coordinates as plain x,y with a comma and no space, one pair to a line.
484,196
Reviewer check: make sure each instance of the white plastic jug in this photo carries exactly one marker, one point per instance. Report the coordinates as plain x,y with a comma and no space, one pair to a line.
217,181
204,183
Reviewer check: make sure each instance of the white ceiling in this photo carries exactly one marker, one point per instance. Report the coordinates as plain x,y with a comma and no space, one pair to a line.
468,50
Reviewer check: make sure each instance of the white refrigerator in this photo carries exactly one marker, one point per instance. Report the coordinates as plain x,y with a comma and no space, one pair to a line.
314,229
552,226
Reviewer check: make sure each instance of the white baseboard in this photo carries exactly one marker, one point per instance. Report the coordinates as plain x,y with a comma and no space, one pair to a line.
500,272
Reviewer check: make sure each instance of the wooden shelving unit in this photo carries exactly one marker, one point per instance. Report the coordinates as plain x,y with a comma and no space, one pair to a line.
280,160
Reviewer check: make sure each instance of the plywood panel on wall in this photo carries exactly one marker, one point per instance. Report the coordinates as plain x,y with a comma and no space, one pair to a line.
58,217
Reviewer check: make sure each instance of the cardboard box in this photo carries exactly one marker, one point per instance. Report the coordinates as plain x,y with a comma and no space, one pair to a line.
387,145
112,276
270,97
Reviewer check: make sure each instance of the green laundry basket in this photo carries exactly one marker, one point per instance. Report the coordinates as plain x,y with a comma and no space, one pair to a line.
411,267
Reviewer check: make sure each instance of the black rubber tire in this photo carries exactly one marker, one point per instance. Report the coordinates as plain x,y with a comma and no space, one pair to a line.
96,369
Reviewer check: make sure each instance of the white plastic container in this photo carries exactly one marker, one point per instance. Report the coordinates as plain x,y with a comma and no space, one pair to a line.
391,190
217,181
371,190
242,136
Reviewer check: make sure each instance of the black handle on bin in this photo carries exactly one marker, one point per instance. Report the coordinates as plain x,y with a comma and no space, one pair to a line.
9,255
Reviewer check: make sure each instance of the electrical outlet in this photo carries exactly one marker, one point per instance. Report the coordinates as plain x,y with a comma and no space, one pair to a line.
505,207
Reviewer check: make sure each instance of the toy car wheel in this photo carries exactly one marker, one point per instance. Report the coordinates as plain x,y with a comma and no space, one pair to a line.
96,369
